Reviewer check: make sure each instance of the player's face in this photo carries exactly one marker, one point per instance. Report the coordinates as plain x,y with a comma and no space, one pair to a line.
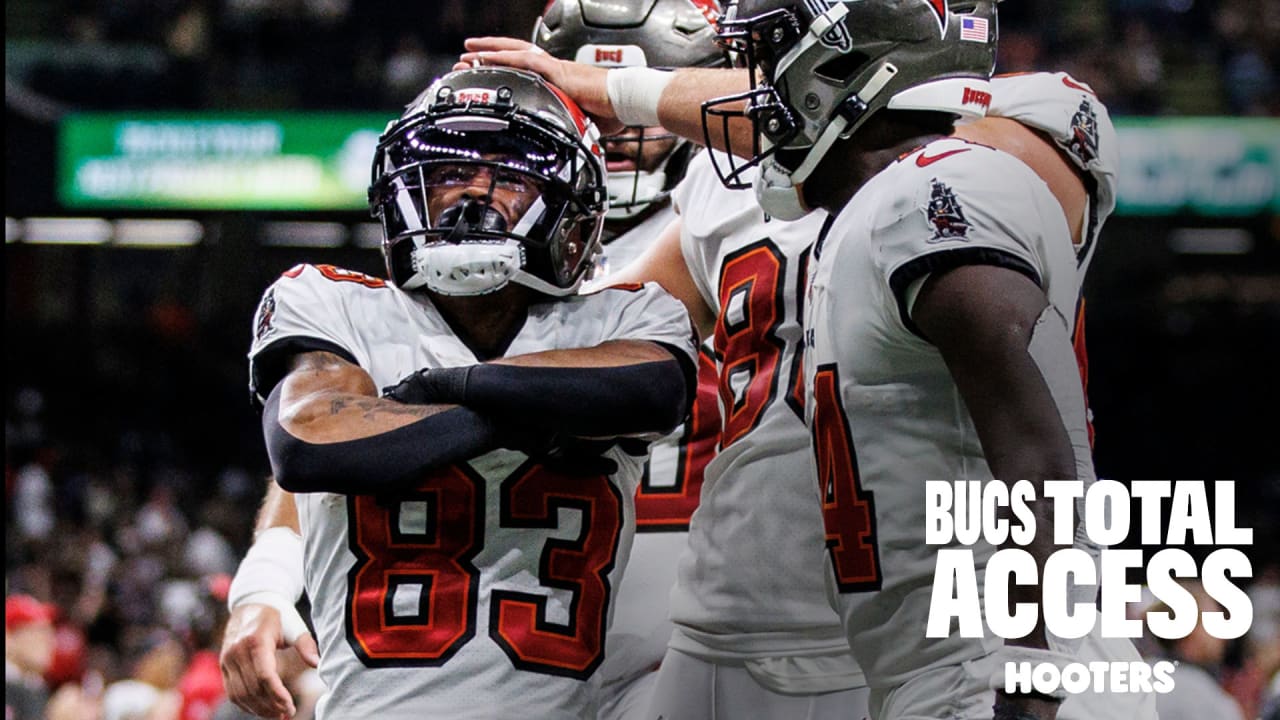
449,184
625,152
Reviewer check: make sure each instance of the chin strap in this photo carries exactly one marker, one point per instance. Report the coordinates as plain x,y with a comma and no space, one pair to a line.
478,255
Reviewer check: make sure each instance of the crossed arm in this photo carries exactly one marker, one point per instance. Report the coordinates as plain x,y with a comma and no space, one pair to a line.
325,404
327,429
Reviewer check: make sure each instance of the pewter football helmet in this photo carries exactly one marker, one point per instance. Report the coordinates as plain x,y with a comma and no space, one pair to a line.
515,131
644,33
821,68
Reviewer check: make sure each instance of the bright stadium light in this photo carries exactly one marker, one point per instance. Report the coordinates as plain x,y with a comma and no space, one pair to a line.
304,234
157,233
1211,241
66,231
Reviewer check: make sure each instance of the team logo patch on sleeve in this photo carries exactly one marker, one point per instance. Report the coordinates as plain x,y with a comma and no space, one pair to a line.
266,315
1084,132
945,215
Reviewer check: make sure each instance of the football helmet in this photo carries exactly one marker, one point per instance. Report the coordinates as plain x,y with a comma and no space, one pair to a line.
821,68
514,134
647,33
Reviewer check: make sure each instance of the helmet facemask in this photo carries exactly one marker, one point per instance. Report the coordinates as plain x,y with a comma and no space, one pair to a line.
658,158
820,70
753,43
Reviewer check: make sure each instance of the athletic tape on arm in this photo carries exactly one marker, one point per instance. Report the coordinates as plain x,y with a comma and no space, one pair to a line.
271,574
634,93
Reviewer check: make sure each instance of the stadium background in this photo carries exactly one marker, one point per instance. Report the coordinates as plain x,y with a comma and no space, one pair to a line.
134,462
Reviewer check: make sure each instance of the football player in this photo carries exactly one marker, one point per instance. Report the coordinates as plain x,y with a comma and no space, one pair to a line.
644,164
460,545
940,313
1050,104
755,635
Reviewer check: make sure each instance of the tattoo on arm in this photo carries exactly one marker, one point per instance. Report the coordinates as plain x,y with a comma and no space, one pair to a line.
375,407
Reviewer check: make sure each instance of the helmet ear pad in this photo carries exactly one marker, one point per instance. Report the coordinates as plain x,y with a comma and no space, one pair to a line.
566,259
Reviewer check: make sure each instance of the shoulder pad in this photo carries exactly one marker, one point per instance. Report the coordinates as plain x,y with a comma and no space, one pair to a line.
1068,111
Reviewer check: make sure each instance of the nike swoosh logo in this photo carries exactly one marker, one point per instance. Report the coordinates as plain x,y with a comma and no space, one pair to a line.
1077,86
924,161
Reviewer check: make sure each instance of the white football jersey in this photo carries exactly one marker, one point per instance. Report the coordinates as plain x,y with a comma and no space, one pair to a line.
618,251
750,585
884,411
665,499
1069,112
486,590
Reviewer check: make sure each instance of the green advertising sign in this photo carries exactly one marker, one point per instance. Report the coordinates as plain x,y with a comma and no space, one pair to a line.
297,161
1221,167
1218,167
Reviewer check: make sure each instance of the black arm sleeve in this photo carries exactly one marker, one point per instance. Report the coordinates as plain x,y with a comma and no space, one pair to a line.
378,463
649,397
589,402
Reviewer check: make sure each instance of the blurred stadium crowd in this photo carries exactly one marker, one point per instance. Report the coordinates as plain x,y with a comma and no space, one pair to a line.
1144,56
124,522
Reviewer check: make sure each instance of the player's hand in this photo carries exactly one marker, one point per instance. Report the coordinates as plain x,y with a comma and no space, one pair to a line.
560,453
248,660
575,456
584,83
1024,707
429,386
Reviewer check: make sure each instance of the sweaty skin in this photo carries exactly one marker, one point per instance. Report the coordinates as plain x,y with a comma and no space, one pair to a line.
1039,154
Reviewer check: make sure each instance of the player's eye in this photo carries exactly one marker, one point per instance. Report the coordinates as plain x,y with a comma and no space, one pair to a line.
514,182
450,175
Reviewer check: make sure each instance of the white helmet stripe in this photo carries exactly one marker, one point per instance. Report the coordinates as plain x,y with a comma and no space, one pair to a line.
839,124
820,25
404,201
820,148
530,217
534,282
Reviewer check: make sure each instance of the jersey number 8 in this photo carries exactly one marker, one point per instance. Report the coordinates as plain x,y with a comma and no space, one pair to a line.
412,595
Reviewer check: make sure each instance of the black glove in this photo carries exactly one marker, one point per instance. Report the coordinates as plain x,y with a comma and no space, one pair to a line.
579,465
431,386
567,455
